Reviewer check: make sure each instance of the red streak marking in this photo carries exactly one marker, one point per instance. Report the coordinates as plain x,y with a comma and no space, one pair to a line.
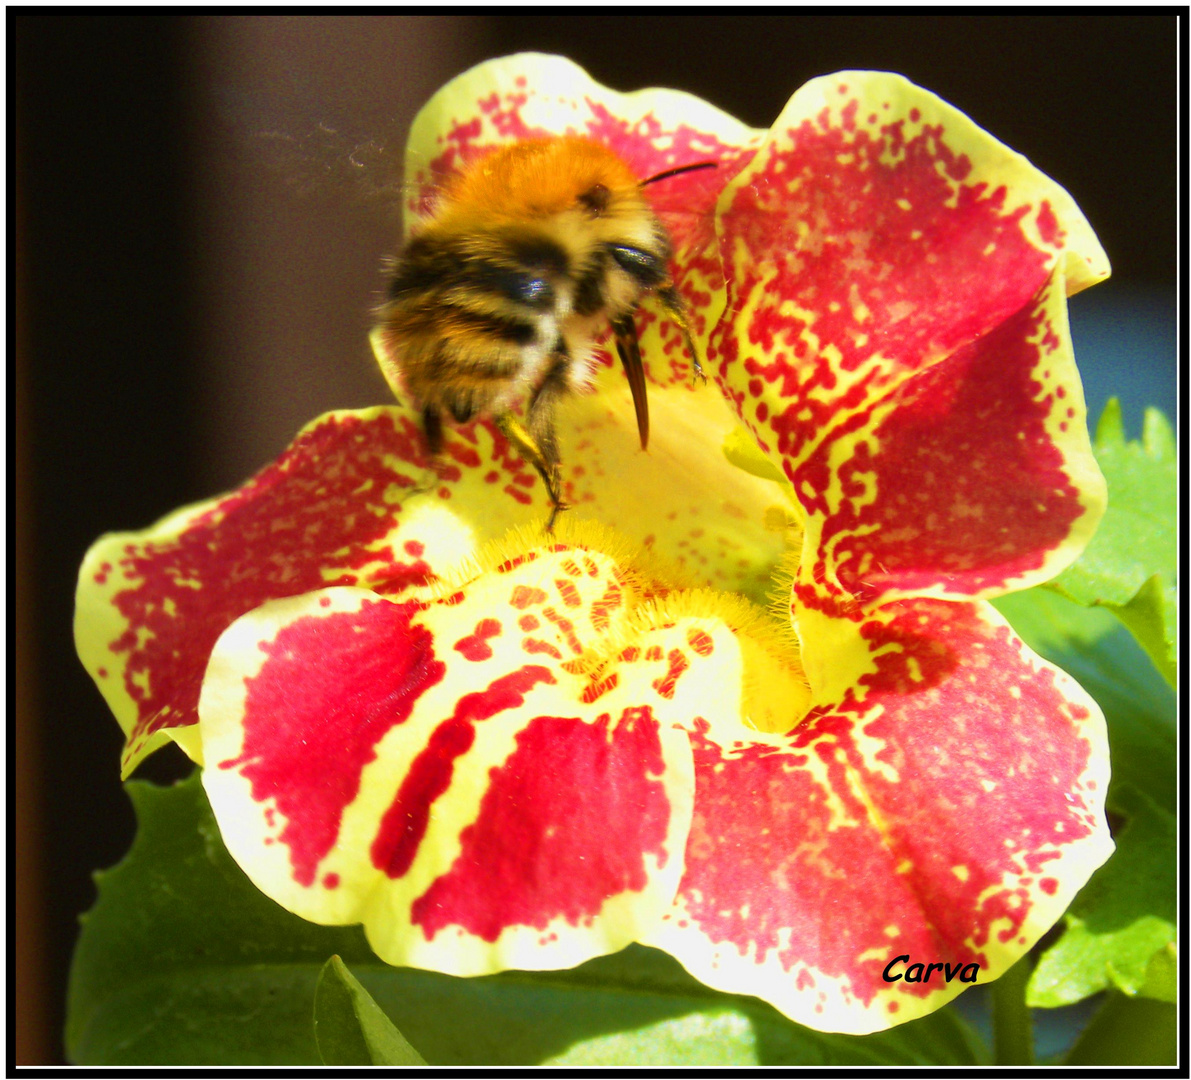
404,824
567,627
598,689
331,688
1048,225
570,567
475,646
536,852
396,577
654,652
537,645
602,609
701,642
568,592
528,622
415,548
524,595
520,496
465,455
678,664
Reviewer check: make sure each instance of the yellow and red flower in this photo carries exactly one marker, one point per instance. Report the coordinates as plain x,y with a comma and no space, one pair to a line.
501,749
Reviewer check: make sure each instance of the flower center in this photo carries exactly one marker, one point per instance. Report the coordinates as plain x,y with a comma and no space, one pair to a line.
637,621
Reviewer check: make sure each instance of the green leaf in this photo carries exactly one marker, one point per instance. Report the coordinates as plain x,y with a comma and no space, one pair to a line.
1137,703
1129,1031
1124,916
635,1008
350,1028
1130,565
183,961
1150,616
1162,975
1121,920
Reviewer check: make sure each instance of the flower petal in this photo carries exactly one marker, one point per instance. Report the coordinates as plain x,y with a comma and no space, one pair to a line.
877,234
945,806
684,499
972,478
150,605
416,767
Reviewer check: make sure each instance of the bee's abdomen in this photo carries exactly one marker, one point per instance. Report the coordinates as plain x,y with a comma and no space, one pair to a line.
468,329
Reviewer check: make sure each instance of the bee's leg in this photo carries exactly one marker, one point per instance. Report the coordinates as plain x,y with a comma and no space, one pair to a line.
432,430
525,444
432,425
540,418
629,351
672,302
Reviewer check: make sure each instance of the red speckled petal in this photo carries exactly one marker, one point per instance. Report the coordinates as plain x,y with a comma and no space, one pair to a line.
414,766
150,605
973,477
876,235
946,806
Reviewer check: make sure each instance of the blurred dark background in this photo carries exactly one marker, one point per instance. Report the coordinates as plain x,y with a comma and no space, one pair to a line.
183,307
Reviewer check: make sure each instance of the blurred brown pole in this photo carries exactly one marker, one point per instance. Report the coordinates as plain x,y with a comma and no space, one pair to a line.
290,266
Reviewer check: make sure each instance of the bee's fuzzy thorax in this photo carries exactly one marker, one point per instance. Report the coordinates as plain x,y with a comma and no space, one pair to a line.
538,178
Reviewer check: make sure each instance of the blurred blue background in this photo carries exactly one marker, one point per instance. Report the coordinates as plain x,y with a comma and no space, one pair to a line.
1125,347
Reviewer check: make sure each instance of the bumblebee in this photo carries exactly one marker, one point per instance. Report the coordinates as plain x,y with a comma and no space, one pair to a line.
500,295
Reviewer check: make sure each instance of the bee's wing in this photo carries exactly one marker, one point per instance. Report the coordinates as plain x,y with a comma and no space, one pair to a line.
322,159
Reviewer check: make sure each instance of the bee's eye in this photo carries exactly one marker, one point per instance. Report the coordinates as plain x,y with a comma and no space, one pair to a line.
534,291
644,266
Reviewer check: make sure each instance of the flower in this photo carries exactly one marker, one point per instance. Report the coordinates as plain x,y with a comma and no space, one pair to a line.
500,748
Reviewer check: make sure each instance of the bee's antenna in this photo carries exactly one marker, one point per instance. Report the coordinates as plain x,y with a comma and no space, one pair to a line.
679,170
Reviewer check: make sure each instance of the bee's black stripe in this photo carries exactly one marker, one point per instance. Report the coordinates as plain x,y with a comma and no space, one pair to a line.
520,273
424,266
492,326
539,254
589,289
